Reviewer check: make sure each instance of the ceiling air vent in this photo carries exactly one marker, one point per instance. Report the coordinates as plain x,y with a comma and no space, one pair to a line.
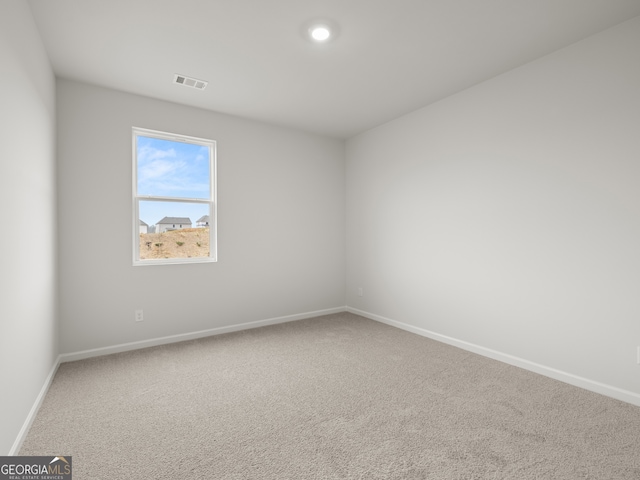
190,82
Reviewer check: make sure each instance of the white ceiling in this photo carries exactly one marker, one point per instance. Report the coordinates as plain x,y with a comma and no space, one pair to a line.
391,56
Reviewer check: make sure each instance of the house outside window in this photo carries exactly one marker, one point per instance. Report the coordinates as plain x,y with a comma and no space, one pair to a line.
174,181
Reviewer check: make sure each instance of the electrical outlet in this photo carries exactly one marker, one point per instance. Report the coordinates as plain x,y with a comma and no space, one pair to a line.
638,356
360,292
139,315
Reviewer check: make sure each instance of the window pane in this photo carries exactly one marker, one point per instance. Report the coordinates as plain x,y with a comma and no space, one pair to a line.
172,169
173,230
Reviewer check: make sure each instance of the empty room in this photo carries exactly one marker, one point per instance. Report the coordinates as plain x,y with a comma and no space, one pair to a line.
338,239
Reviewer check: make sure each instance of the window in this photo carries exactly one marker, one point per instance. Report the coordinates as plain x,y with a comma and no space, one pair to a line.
174,180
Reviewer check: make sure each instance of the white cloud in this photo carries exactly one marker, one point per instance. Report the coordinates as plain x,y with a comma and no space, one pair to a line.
171,171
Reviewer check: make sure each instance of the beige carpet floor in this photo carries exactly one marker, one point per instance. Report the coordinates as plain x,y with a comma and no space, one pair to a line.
336,397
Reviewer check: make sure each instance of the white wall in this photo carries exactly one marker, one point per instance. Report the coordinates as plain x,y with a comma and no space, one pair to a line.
507,216
28,322
280,218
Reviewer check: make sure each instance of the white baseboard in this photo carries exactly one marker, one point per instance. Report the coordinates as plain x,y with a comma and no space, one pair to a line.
34,409
124,347
587,384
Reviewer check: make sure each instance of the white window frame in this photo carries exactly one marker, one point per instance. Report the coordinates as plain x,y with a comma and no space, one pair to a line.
211,201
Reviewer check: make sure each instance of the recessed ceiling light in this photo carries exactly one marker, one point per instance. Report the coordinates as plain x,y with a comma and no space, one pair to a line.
320,33
320,30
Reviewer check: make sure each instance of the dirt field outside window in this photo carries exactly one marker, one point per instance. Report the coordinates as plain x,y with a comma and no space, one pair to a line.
184,243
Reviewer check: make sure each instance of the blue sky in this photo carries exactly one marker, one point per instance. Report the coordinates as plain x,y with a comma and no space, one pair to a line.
172,169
